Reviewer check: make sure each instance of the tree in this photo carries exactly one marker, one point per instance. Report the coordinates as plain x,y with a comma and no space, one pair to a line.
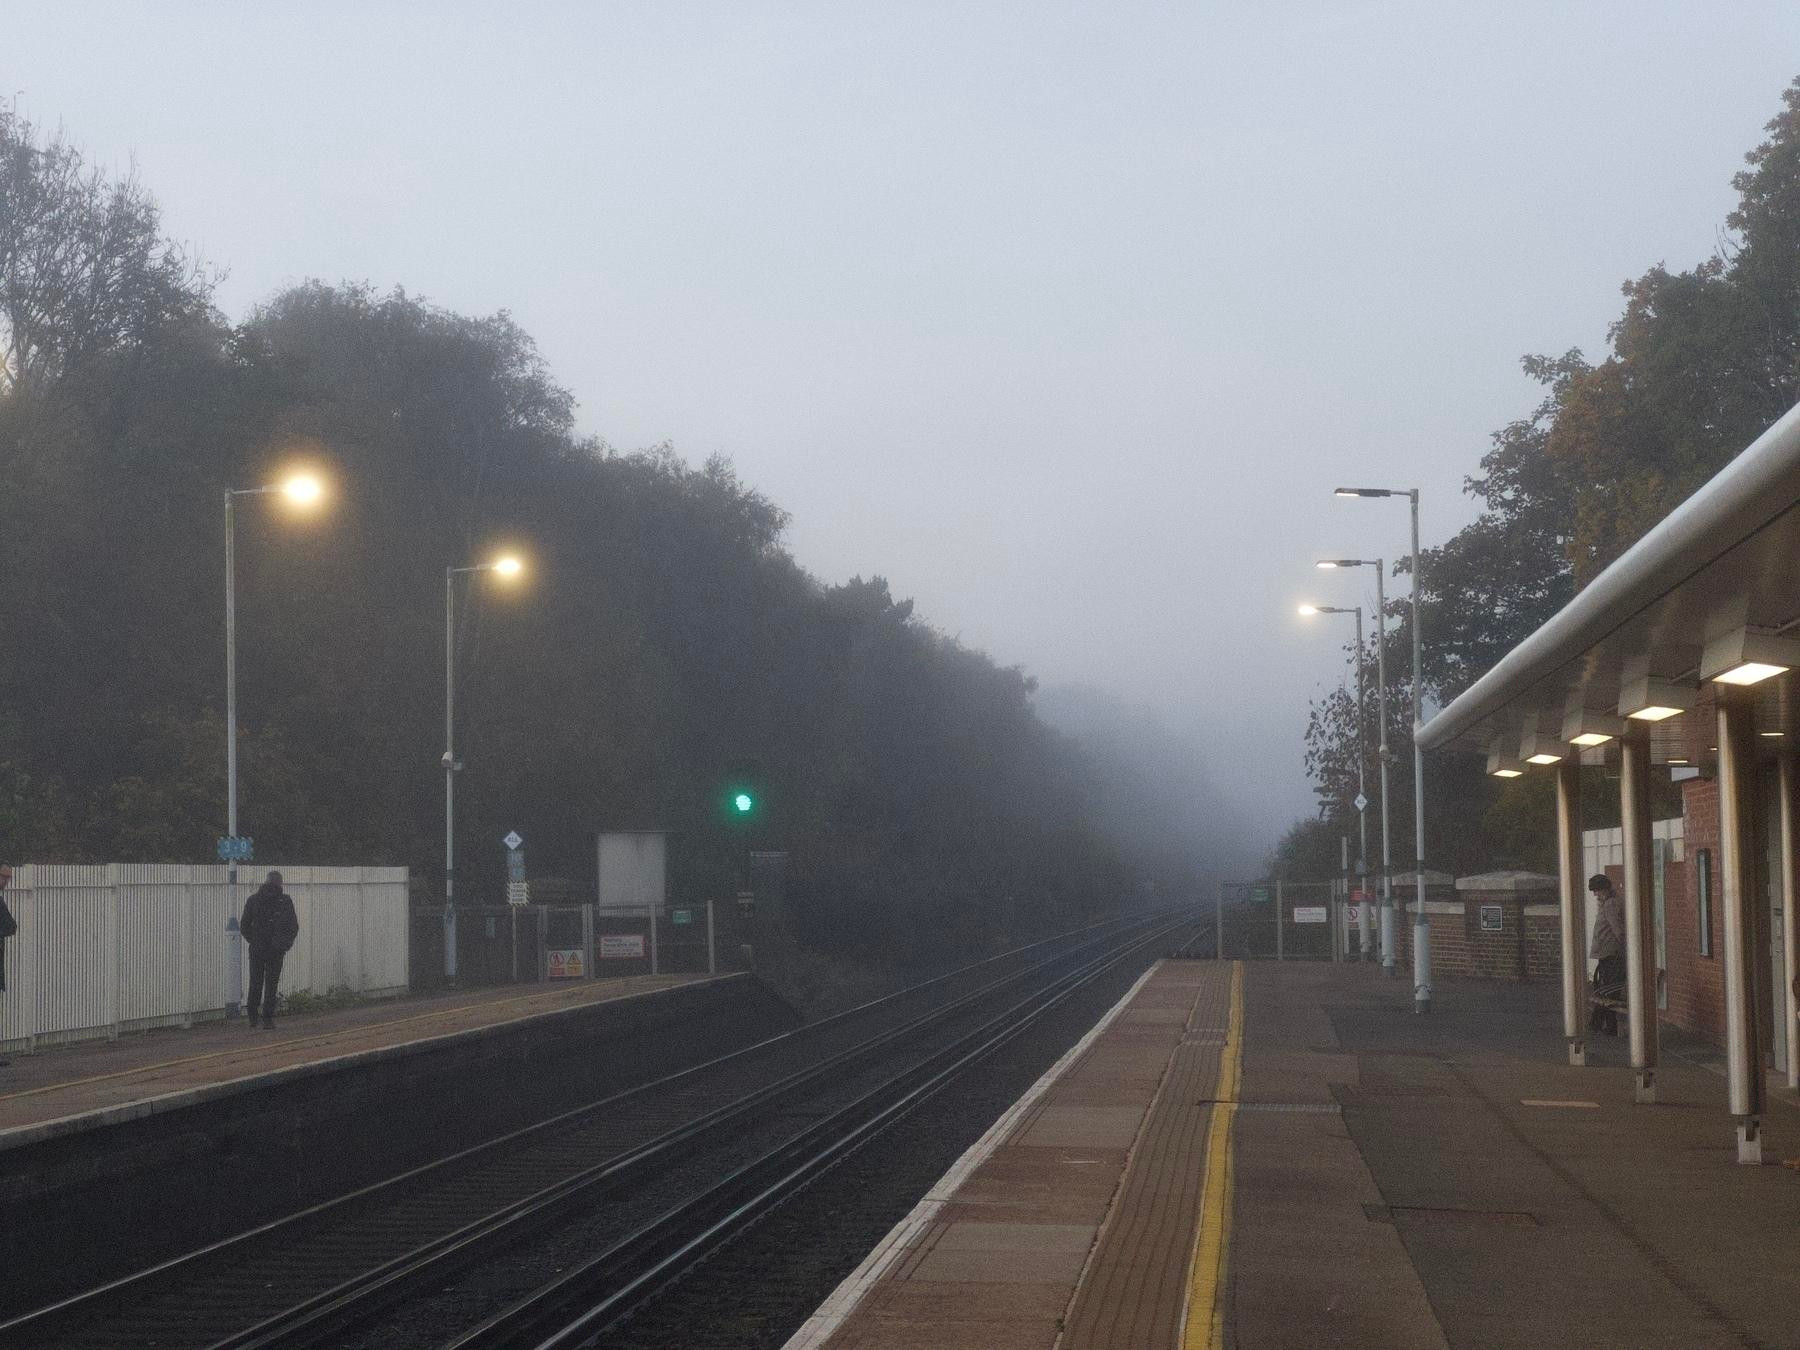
84,268
1701,362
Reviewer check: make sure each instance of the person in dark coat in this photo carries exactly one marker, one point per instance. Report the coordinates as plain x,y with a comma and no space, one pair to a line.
8,927
270,926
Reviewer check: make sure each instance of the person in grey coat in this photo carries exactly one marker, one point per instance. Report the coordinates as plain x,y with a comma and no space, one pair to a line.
1608,951
270,926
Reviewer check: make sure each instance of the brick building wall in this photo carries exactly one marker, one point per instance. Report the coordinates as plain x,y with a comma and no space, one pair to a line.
1696,983
1525,946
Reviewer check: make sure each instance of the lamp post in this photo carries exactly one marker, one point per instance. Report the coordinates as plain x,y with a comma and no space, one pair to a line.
507,566
303,489
1387,858
1421,928
1361,789
1362,738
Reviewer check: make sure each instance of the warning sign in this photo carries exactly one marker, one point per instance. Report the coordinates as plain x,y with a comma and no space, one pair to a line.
1309,914
567,963
621,946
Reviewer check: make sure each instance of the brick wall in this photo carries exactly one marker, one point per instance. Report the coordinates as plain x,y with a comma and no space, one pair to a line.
1696,982
1526,947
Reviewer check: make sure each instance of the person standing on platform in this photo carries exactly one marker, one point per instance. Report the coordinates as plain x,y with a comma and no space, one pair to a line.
270,926
8,927
1608,950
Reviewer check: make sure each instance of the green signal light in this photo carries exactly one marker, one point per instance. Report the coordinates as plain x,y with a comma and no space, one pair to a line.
743,802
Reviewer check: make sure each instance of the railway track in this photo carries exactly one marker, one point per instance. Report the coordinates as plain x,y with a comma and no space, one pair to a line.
584,1303
316,1276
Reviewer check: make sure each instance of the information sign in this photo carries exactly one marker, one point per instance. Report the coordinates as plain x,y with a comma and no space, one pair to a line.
682,916
236,848
1493,919
567,963
621,946
518,892
1309,914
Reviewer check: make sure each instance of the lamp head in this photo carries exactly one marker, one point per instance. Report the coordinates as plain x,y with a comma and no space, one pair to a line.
508,566
303,489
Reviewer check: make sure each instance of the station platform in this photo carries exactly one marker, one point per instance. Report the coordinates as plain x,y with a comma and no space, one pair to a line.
69,1089
1262,1154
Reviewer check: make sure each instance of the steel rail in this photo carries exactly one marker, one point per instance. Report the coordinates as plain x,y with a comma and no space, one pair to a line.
634,1269
97,1300
323,1317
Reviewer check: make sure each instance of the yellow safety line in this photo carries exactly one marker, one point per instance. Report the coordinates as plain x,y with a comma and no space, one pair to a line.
543,996
1204,1325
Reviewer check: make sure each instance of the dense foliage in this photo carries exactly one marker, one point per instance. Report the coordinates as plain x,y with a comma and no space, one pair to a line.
1701,363
661,635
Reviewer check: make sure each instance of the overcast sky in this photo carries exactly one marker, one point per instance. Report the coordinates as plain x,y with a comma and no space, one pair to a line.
1064,318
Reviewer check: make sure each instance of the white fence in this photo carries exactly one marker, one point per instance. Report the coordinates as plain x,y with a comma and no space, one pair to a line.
124,947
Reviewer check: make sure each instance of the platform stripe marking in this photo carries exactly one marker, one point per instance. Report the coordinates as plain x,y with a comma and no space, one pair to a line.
831,1314
1203,1327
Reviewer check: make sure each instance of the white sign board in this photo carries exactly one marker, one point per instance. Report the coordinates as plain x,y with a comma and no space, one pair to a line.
621,946
1309,913
518,892
632,872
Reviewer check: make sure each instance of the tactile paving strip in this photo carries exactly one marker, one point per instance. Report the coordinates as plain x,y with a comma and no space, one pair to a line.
1135,1285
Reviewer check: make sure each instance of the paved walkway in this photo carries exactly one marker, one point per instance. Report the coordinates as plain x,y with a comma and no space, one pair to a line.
111,1079
1297,1160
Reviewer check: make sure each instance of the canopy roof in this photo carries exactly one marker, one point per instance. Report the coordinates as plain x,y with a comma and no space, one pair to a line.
1727,558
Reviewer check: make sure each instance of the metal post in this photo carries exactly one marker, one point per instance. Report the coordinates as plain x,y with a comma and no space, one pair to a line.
1789,836
1278,925
1421,926
1387,850
234,959
230,675
1362,765
1340,930
1219,924
449,773
712,958
1640,901
1737,870
1574,914
655,914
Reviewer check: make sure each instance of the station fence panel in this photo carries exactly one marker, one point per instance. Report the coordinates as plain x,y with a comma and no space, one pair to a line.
117,947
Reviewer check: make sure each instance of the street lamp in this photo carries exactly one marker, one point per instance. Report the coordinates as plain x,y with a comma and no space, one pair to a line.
1421,929
302,489
1387,860
1362,755
507,566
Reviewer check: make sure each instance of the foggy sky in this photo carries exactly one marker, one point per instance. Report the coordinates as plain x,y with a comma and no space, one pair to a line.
1064,318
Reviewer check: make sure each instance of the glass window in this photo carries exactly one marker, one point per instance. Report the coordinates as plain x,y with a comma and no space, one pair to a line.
1703,889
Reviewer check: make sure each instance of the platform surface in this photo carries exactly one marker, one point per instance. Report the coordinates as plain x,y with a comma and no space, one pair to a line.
1354,1175
69,1087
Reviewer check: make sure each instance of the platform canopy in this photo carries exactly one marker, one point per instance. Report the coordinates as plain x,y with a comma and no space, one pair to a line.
1717,580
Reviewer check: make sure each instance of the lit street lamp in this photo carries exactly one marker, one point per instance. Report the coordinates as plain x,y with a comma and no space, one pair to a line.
1362,754
1387,857
1421,929
507,566
302,489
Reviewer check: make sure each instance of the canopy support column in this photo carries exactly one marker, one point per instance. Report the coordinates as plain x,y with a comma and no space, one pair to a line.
1789,779
1743,1056
1574,911
1640,916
